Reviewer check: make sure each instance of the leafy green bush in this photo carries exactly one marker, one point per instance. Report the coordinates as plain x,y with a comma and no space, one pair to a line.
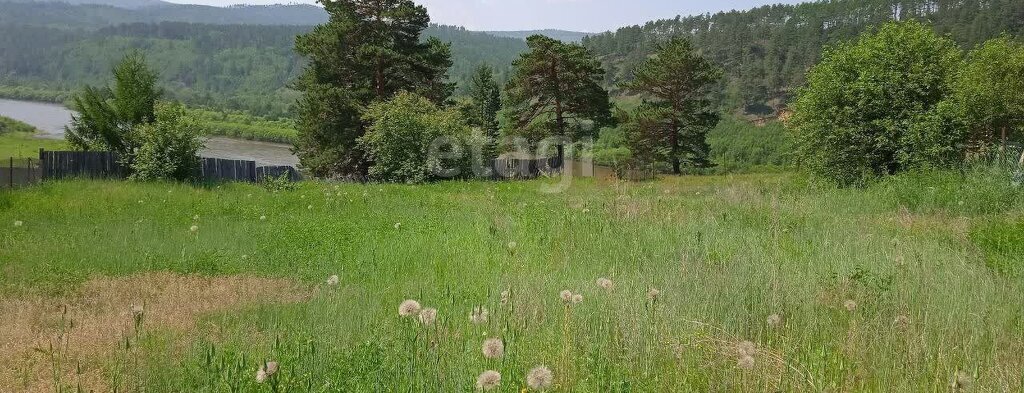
868,107
411,140
169,146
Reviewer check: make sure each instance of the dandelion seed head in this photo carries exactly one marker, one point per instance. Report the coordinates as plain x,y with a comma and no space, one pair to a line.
409,308
774,320
488,380
902,321
261,376
565,295
18,223
195,217
577,298
512,245
746,362
605,284
479,315
850,305
271,368
137,310
961,381
333,280
493,348
746,348
540,378
194,228
310,207
263,218
428,316
653,294
398,225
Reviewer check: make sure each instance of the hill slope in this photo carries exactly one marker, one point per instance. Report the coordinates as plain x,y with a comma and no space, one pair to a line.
766,51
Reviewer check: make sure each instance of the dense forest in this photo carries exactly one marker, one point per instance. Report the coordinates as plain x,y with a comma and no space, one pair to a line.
766,51
57,47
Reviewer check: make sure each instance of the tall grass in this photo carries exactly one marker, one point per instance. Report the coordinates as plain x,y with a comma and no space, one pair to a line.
915,254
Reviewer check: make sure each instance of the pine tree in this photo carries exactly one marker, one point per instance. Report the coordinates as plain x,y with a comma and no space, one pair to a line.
106,118
555,90
367,52
671,124
485,96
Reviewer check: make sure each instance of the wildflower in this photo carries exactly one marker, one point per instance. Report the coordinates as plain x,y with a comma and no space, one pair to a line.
577,298
565,295
745,362
479,315
409,308
652,294
333,280
539,378
428,316
18,223
493,348
961,381
605,284
194,228
488,380
774,320
506,296
850,305
398,225
747,348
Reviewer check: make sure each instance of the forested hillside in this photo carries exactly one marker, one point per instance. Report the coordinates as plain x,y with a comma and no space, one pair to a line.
766,51
55,48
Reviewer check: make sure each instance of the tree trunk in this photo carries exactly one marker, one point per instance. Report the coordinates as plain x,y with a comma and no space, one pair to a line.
559,115
676,165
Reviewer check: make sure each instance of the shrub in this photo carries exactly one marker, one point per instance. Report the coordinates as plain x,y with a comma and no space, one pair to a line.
411,140
868,107
168,147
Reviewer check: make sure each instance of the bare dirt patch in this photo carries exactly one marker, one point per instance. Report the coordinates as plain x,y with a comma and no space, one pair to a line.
83,329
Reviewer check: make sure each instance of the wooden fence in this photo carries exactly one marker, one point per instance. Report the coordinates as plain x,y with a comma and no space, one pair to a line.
517,168
107,165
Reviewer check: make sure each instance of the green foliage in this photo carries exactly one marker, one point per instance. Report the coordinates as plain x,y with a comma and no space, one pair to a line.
739,146
555,91
766,51
242,125
411,140
368,52
106,117
871,107
168,148
485,103
9,125
672,122
989,90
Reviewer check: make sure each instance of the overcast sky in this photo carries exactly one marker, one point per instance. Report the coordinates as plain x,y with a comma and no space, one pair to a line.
578,15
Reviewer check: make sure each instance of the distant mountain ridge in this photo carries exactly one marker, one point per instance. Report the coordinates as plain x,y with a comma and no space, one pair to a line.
562,35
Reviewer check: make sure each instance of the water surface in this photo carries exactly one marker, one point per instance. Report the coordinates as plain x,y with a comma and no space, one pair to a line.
50,119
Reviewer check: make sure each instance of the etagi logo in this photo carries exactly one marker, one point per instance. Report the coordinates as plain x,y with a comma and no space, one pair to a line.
553,157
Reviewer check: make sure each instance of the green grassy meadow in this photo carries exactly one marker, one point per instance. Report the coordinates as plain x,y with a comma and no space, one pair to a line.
910,285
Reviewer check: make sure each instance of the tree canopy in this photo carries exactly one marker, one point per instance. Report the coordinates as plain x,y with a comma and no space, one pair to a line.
367,52
671,124
555,90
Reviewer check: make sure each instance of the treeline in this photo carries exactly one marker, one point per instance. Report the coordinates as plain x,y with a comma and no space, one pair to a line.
766,51
236,67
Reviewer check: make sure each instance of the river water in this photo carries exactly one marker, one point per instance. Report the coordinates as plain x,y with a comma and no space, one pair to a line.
50,119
